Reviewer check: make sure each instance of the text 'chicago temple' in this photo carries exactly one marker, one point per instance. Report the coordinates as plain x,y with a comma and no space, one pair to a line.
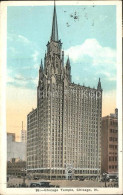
64,131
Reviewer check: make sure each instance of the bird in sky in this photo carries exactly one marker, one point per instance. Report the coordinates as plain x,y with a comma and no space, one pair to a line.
67,24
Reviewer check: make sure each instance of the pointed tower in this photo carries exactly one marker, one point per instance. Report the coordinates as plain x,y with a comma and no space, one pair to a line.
41,66
54,34
41,71
68,62
99,85
68,69
54,58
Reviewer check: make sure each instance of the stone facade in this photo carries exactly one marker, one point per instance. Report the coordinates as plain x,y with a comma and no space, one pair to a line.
109,144
32,137
65,140
16,167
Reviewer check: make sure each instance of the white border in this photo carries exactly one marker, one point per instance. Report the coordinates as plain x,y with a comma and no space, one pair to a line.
3,46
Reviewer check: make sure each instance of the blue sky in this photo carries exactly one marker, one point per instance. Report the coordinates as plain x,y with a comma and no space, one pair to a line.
90,42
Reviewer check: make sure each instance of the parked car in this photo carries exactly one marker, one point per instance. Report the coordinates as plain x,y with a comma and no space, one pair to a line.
36,178
34,185
81,179
42,185
105,179
46,184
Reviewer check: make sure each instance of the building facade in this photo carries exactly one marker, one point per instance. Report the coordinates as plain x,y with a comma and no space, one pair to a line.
109,144
66,140
16,167
23,135
15,149
32,139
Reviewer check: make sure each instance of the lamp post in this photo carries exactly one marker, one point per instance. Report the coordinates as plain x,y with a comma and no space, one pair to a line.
23,174
105,177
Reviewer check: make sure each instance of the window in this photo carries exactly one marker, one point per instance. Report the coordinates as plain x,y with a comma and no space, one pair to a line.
110,138
115,158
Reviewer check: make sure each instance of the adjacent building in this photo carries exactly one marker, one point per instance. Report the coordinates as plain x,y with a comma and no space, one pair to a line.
23,134
109,144
15,149
32,139
64,131
16,167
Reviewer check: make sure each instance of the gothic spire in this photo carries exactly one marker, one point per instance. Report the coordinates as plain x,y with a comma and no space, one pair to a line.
41,65
54,34
99,85
68,62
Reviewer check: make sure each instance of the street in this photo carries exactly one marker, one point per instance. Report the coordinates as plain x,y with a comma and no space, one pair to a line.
17,182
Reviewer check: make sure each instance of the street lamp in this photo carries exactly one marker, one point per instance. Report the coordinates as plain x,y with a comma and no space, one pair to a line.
105,177
23,174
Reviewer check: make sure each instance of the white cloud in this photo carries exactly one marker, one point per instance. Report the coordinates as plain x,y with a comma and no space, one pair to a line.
19,77
22,81
35,55
24,39
77,78
35,81
111,76
14,37
13,50
36,66
92,48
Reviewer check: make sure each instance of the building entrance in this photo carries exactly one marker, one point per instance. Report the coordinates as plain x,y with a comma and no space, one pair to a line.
70,175
69,172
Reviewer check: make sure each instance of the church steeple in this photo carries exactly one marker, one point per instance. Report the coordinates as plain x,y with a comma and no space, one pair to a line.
54,34
41,65
99,85
68,69
68,62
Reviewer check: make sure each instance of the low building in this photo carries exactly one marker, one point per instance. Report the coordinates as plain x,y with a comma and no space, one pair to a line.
15,149
32,141
109,144
16,167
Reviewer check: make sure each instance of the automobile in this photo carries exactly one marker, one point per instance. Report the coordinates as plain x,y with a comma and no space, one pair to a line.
105,179
19,176
116,179
113,180
81,179
42,185
46,184
36,178
33,185
23,185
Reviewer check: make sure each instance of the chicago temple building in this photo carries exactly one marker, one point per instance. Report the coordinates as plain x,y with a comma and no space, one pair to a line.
64,131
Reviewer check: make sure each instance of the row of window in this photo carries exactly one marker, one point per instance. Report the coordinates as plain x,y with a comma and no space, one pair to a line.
113,139
114,123
112,158
113,167
113,131
113,146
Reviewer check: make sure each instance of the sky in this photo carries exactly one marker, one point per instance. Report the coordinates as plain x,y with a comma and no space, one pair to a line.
89,40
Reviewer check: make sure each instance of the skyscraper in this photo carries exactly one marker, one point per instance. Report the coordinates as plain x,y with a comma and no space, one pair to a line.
63,132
